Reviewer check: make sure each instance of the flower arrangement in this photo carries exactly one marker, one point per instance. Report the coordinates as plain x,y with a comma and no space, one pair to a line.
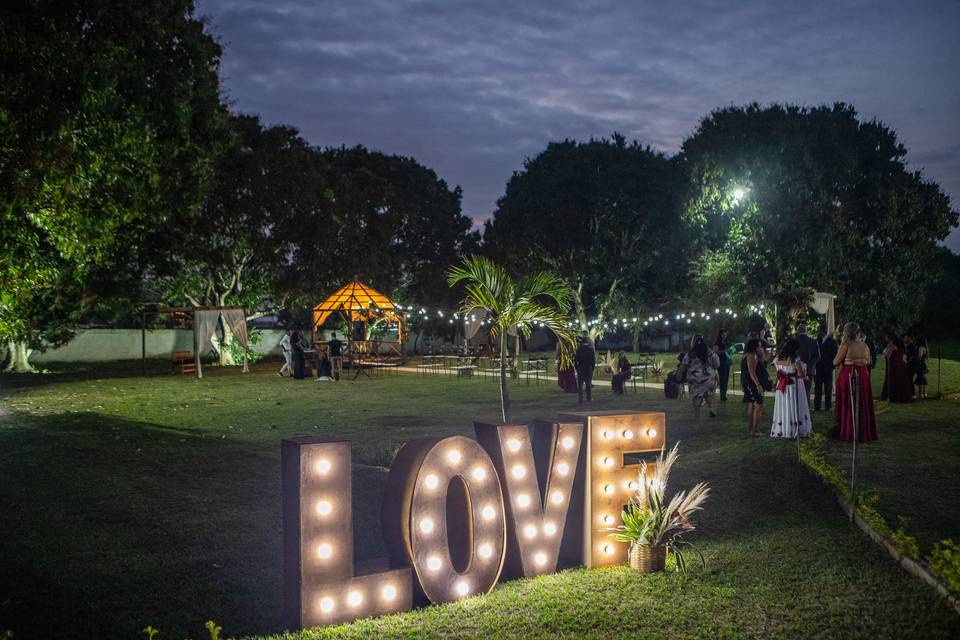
652,525
656,370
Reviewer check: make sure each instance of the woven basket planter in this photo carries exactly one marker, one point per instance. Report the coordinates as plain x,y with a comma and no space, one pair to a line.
647,559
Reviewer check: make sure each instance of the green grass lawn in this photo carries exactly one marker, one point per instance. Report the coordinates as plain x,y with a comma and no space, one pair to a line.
127,501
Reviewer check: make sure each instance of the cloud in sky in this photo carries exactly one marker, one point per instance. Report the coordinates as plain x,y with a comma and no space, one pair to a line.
472,88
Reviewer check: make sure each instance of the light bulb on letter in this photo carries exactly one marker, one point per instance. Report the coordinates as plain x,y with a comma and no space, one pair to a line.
354,598
463,588
540,558
549,528
389,592
523,500
431,481
651,433
479,474
485,550
519,471
434,563
513,444
324,551
426,525
322,466
608,488
324,507
488,512
627,434
568,443
563,468
530,531
454,456
607,519
557,497
326,605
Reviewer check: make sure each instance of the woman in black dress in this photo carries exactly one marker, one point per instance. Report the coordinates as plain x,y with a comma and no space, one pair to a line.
752,377
299,358
920,380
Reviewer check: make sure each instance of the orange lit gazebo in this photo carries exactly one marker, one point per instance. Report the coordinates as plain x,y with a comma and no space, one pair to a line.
360,305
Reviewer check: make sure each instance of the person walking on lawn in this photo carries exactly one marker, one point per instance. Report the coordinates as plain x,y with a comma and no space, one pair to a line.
287,349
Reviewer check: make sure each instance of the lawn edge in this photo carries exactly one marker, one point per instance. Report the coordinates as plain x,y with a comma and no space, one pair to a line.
913,567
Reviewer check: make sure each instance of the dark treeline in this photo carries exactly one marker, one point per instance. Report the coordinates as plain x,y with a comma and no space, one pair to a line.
125,179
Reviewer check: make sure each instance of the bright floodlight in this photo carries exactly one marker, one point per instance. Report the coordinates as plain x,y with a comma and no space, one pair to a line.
738,194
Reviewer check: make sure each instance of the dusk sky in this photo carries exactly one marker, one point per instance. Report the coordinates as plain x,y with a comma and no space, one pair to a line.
471,89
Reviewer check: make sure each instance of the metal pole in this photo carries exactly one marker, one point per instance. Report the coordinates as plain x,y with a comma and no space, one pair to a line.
855,398
196,350
143,342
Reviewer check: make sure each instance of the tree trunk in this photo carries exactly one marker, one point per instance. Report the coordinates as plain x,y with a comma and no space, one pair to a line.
636,337
504,394
223,349
19,358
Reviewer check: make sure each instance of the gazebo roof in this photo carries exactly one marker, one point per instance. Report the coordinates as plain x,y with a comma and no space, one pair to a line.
354,299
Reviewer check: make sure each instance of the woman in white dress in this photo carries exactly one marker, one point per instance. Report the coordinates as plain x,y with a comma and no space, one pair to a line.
791,413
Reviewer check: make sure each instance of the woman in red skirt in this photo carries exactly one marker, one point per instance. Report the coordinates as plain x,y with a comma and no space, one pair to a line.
855,358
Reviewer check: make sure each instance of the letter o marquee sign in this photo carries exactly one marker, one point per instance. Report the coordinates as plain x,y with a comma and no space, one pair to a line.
442,484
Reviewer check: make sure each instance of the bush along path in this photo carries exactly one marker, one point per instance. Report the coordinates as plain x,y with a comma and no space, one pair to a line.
940,569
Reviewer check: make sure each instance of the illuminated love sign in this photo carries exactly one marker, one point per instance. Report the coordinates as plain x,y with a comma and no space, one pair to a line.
459,514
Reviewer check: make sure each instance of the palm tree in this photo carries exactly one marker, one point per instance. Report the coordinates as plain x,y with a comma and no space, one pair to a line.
541,299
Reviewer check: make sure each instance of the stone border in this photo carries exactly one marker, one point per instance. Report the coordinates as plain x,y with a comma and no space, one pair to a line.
911,566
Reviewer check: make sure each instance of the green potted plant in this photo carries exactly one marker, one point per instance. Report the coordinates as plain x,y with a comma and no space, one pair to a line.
652,525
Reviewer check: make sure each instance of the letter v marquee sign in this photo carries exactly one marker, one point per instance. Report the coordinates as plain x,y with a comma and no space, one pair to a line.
459,514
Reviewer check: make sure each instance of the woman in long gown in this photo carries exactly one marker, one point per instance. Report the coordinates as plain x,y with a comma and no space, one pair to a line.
897,378
791,412
566,375
854,355
622,373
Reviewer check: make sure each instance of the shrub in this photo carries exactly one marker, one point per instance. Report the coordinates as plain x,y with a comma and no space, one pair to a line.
944,561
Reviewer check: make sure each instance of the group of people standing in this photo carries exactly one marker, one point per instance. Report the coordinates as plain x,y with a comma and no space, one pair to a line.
800,355
905,377
329,357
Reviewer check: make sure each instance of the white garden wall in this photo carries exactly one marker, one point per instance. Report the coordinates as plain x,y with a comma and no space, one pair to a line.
94,345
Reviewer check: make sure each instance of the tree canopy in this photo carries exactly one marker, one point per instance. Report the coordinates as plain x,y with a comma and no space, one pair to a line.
391,222
791,199
604,214
110,116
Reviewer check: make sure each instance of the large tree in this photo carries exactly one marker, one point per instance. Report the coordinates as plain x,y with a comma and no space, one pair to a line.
792,199
267,190
603,215
393,223
109,118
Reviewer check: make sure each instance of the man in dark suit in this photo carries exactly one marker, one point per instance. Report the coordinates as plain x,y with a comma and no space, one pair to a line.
823,377
809,353
584,362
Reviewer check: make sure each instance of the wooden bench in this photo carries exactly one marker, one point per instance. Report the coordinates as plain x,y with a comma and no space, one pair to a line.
184,360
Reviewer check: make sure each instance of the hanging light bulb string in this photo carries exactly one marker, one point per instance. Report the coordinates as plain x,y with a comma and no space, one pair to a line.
664,319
